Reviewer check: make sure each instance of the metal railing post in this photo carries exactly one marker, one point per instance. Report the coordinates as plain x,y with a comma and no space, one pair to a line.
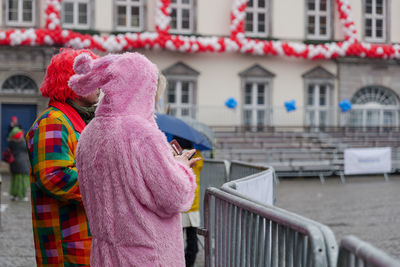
352,251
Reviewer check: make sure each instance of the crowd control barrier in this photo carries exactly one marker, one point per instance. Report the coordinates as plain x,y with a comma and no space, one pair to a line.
240,232
217,172
240,169
213,174
259,187
354,252
241,229
267,199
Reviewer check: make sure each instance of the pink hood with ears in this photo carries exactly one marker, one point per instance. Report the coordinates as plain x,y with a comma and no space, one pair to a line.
132,187
129,83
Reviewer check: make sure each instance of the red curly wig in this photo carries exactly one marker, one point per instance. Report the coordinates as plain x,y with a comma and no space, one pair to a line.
55,83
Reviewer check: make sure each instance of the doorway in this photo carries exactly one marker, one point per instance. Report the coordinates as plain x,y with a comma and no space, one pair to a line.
26,115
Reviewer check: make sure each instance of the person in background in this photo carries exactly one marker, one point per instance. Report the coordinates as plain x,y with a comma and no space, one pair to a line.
133,188
19,167
13,123
60,227
191,218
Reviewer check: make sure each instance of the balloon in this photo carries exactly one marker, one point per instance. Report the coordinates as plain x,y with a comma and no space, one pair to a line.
290,105
231,103
345,105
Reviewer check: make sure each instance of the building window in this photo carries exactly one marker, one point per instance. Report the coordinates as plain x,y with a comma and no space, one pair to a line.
257,18
75,14
319,84
374,106
375,20
19,84
256,97
318,21
256,108
129,15
182,12
180,97
318,105
20,12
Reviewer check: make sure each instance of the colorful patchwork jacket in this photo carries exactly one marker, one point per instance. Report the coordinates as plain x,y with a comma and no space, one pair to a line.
61,230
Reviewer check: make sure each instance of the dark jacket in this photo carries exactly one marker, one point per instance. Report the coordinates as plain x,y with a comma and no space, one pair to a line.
21,163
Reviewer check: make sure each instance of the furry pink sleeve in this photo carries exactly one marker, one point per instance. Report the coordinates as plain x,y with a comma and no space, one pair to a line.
164,185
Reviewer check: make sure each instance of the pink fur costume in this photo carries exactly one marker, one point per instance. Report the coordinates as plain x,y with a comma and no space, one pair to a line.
132,187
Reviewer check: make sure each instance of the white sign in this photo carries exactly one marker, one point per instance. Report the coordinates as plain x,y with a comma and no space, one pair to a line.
260,188
3,207
367,160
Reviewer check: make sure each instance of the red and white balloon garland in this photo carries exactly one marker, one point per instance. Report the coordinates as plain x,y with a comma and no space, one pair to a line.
53,34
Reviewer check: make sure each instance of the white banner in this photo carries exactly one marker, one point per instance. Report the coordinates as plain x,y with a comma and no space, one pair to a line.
260,188
367,160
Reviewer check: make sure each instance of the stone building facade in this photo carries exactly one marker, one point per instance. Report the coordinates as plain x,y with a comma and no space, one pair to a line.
200,83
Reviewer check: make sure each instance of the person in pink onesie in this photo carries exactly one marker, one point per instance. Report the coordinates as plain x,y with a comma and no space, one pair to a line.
133,188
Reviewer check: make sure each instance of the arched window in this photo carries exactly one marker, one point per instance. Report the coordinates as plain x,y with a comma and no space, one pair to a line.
375,94
19,84
374,106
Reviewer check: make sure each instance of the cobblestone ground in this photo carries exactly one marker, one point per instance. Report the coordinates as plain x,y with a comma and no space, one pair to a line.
367,207
16,238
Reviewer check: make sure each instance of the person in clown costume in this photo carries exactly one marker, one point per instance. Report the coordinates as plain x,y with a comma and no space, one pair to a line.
60,227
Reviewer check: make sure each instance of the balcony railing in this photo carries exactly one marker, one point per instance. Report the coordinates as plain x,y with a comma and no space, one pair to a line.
301,117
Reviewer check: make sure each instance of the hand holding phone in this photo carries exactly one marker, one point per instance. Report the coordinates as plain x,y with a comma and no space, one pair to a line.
191,156
187,158
177,149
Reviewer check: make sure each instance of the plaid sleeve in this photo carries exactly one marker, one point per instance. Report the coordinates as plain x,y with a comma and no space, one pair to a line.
53,150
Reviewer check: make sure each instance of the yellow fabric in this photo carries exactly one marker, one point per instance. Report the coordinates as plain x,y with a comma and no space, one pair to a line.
197,169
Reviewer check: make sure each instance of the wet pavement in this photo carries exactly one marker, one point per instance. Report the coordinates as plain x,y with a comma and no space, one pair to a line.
16,238
367,207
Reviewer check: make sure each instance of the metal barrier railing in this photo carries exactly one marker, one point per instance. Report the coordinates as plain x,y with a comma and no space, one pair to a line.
354,252
329,237
242,233
213,174
239,169
231,186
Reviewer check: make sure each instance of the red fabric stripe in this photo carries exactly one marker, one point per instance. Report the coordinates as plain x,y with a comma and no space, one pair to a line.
71,113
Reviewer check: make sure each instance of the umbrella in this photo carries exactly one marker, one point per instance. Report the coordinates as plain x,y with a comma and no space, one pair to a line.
201,127
173,126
